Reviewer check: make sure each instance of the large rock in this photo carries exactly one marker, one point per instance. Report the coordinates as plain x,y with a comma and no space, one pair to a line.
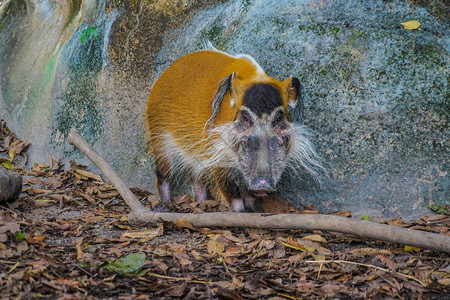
376,95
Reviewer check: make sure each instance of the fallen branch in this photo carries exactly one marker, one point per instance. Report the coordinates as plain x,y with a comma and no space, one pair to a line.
141,215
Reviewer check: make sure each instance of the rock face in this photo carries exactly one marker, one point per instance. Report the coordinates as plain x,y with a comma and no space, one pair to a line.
376,95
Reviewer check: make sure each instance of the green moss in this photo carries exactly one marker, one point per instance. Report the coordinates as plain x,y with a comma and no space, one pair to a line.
334,30
215,35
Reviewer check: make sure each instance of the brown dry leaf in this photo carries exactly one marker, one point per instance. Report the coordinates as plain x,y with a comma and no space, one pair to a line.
89,175
184,223
68,282
309,246
444,281
38,263
79,192
343,213
181,199
224,293
389,263
79,250
44,202
145,234
8,225
215,247
395,222
182,258
278,205
331,289
52,183
160,265
35,239
39,191
93,219
314,238
433,218
197,255
278,251
234,251
8,253
30,180
309,209
231,237
176,290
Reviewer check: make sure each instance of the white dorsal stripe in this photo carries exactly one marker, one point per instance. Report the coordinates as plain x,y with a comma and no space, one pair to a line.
207,45
259,69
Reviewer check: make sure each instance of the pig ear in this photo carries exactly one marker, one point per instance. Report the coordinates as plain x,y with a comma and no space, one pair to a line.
223,87
295,101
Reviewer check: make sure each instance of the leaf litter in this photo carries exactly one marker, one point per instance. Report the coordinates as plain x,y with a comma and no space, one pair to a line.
67,237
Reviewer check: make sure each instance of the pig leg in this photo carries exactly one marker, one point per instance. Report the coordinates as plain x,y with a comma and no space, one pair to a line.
199,189
249,201
230,191
163,173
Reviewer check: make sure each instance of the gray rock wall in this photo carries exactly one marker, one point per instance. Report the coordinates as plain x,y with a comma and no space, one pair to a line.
376,95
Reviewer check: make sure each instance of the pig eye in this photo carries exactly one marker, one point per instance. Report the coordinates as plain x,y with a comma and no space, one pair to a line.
245,117
279,117
244,122
279,124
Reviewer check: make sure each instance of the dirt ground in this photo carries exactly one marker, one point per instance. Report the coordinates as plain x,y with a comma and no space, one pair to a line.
67,237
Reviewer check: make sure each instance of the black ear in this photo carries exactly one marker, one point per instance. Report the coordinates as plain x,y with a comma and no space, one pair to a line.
223,87
295,102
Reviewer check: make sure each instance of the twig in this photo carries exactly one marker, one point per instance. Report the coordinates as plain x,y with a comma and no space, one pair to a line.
321,262
178,278
141,215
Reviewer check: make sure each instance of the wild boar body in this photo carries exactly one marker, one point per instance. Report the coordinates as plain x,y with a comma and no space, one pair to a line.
222,120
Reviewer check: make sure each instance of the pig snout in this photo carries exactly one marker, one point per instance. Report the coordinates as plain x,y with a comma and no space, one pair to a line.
261,187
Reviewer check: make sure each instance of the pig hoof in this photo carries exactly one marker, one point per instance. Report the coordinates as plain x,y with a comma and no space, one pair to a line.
249,209
237,205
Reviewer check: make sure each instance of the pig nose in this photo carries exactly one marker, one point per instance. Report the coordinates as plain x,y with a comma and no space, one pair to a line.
262,187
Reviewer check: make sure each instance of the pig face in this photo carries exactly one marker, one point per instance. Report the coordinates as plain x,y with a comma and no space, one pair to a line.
262,139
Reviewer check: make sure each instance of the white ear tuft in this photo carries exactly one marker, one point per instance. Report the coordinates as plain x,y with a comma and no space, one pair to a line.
232,92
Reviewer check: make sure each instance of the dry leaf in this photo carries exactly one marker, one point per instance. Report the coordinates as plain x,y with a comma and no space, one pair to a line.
89,175
277,205
182,258
314,238
343,213
214,246
303,245
93,219
184,223
411,25
35,239
12,154
79,250
144,234
411,249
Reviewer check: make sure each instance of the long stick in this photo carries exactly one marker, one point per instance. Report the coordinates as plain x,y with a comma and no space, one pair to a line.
141,215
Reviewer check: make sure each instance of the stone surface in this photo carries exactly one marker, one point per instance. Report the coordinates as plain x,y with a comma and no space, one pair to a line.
376,95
